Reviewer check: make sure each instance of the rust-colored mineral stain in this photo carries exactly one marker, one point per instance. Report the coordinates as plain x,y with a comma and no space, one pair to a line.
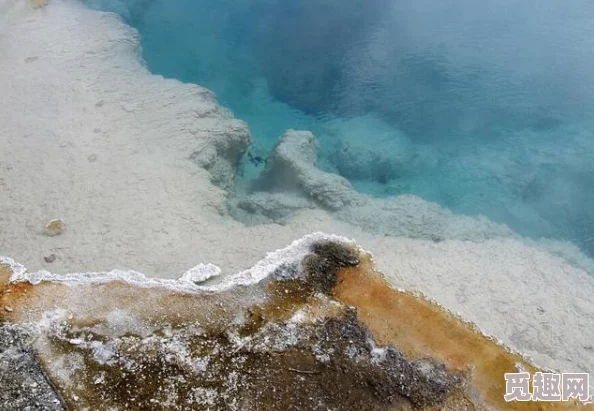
21,298
11,295
411,324
423,329
154,305
5,274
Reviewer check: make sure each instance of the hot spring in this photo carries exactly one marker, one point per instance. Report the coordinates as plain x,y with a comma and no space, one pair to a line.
485,109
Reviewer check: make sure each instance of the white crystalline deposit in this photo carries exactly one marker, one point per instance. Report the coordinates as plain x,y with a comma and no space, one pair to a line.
139,165
190,280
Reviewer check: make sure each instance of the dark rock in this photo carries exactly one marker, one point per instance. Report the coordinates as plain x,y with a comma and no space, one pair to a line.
50,258
321,267
25,385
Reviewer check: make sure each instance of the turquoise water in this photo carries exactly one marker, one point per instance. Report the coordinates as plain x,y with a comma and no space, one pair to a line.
486,109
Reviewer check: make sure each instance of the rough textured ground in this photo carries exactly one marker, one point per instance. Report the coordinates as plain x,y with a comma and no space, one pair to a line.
25,385
126,159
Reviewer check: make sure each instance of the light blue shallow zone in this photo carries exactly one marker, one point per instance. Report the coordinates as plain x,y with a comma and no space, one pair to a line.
484,107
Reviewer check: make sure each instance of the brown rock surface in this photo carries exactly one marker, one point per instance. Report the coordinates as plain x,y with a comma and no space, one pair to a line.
329,333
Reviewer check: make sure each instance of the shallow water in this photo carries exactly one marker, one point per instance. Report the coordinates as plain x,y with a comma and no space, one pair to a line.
484,109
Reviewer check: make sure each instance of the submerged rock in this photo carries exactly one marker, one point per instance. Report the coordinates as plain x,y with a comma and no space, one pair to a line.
291,167
318,329
291,181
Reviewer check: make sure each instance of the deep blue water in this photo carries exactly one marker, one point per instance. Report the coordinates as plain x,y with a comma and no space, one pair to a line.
484,107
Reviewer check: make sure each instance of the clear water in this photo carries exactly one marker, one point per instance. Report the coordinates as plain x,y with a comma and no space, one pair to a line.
484,107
